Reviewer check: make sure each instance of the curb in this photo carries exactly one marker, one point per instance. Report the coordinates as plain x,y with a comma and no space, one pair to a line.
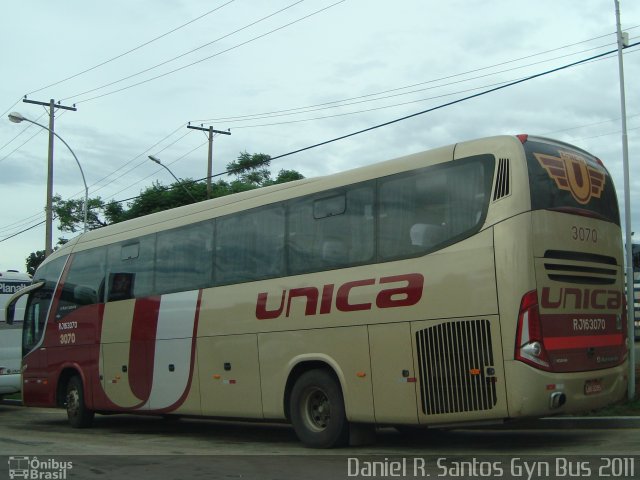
575,423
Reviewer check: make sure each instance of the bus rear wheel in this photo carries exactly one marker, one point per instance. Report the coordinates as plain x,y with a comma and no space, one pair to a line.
317,410
77,412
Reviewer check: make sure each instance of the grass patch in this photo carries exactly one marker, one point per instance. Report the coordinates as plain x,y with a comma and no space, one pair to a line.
626,409
623,409
13,396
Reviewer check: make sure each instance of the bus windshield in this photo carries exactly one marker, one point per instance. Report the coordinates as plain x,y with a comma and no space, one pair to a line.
563,177
39,303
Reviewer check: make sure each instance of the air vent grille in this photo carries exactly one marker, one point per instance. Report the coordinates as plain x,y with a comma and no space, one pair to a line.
456,367
503,184
578,267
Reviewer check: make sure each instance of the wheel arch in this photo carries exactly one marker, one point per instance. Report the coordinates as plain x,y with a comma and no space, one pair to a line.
306,363
67,372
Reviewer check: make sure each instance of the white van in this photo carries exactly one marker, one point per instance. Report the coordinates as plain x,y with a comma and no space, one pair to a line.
11,335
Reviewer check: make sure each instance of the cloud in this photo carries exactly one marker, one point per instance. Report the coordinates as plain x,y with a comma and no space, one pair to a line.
356,48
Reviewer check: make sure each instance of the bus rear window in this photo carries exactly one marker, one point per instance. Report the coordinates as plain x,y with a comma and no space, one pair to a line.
566,178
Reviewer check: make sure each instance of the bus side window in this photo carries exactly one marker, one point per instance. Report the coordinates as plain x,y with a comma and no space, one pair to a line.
131,269
433,206
250,246
121,286
333,230
84,284
184,257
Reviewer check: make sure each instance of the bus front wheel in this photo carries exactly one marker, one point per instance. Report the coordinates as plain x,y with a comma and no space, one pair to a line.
77,412
317,410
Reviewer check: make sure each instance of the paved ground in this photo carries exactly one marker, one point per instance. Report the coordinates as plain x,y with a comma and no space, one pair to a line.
123,446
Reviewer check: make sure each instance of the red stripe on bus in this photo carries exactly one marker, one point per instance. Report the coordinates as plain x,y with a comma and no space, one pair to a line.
142,349
587,341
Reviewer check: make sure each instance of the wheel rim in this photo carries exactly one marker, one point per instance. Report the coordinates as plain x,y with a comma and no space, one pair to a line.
316,409
73,403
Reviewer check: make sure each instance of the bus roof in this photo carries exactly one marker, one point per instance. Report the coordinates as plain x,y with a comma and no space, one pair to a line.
220,206
14,275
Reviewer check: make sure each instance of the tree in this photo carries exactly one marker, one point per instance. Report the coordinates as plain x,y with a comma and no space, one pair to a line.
285,176
70,214
251,171
33,261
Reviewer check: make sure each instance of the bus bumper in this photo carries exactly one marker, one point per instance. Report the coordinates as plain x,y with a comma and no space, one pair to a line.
536,393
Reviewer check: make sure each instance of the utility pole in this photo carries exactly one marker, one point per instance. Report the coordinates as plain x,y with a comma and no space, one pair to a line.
210,155
623,41
48,235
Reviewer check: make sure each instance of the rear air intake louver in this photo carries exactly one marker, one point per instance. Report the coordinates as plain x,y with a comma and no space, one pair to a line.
578,267
456,367
502,188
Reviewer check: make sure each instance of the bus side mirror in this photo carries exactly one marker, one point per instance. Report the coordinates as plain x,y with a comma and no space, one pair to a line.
10,309
10,312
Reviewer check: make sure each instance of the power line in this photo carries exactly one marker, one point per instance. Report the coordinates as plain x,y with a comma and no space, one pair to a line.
341,103
378,108
495,89
125,164
20,224
406,117
142,162
586,125
606,134
255,38
120,55
23,231
131,50
22,144
156,171
185,53
405,103
394,105
9,109
447,77
210,56
58,115
375,94
372,109
118,169
19,134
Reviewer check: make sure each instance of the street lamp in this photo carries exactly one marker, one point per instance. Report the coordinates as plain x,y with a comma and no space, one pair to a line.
157,160
15,117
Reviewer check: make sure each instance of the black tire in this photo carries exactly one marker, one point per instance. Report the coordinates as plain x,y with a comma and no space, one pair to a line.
77,412
317,410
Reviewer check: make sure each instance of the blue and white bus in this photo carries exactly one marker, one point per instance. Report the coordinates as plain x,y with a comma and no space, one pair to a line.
11,281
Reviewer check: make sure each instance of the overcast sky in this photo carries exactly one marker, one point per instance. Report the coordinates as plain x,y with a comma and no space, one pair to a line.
383,60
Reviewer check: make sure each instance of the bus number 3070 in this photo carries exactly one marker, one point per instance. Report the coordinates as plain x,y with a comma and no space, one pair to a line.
584,234
67,338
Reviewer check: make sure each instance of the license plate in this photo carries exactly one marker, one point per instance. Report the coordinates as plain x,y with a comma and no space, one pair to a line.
592,387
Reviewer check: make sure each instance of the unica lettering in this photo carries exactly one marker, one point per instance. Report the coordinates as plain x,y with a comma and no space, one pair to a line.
581,298
394,291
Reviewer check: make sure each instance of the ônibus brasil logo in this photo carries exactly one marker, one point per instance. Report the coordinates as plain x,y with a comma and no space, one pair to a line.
36,469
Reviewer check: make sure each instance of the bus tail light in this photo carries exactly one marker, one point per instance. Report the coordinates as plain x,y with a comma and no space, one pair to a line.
529,342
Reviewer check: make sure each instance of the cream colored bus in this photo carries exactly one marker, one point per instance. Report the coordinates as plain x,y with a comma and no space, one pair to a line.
477,282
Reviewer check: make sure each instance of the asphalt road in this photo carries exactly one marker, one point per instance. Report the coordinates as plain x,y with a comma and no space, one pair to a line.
124,446
136,447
